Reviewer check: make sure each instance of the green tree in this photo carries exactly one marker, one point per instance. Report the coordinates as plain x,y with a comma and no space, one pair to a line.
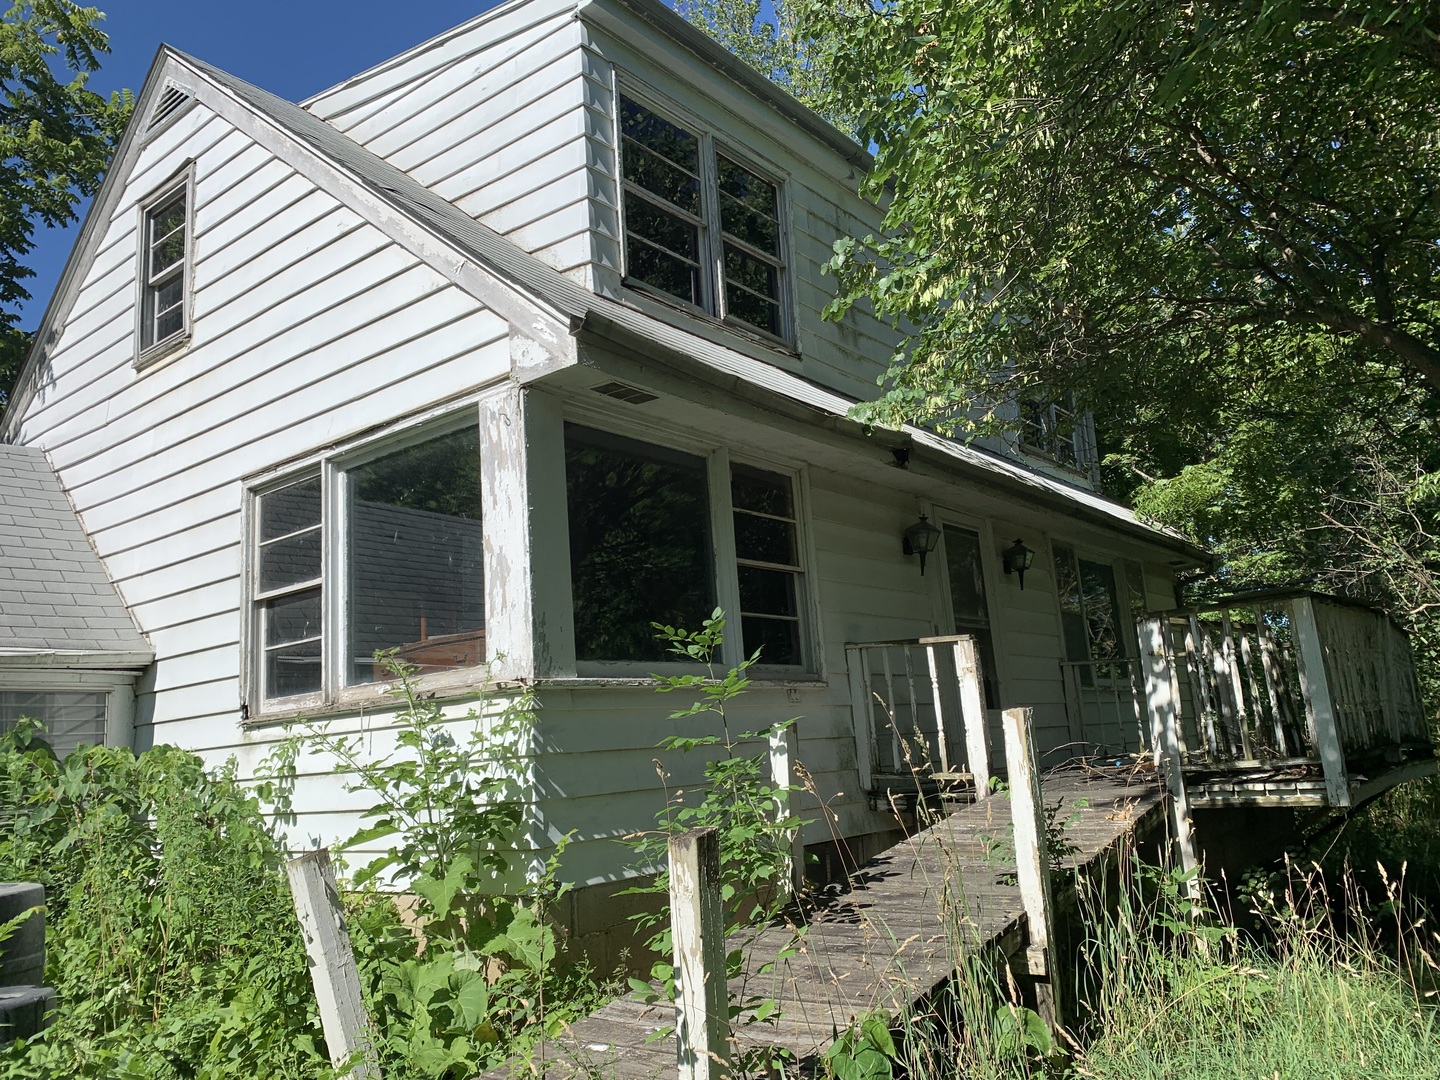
769,38
1214,223
1085,192
56,137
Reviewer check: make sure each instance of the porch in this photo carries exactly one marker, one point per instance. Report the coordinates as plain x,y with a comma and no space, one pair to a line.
1278,698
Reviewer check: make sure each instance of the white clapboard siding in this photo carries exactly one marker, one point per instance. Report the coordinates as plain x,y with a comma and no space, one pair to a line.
309,326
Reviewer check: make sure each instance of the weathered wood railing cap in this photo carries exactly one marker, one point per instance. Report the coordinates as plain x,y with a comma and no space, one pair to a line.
1262,597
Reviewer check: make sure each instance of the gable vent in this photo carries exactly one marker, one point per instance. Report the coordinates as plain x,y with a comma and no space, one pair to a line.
172,100
633,394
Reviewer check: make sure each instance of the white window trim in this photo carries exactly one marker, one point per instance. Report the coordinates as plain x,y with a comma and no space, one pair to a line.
942,516
334,694
712,245
147,354
1081,439
725,568
1123,595
119,691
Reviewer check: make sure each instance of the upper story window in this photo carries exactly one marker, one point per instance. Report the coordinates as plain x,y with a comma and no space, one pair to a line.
647,527
1056,430
701,226
165,257
380,553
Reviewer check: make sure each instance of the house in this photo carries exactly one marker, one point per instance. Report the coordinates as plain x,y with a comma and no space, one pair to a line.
503,350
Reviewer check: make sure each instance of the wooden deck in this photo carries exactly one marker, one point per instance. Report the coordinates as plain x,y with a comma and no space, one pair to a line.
887,943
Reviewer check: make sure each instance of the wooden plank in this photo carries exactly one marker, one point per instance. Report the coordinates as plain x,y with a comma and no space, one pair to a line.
1032,860
697,922
1165,720
332,964
972,713
1310,653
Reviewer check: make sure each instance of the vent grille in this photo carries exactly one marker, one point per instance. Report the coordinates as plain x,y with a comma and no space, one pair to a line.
172,100
633,394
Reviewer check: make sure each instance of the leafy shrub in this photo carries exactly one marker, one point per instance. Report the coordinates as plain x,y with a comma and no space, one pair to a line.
172,941
469,976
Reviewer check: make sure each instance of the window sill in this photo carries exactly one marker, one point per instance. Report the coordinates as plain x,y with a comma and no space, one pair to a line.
155,353
379,697
648,682
727,332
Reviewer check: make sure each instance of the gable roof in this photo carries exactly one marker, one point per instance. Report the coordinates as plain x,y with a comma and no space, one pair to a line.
55,597
537,300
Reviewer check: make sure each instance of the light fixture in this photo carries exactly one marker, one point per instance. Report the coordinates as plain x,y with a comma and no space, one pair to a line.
1016,559
921,539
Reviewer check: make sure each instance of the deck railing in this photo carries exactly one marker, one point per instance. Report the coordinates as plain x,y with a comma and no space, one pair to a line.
1278,677
919,711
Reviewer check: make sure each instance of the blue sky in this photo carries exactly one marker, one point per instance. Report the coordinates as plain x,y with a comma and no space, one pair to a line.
292,49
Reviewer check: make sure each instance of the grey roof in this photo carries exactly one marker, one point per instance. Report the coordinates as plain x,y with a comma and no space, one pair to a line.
55,596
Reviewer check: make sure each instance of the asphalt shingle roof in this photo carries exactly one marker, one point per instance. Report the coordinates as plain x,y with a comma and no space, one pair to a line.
54,593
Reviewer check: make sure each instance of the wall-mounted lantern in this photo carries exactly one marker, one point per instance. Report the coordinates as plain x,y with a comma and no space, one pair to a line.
921,539
1016,559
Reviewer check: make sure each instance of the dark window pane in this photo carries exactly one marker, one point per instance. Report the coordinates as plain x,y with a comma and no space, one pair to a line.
662,271
761,491
292,670
764,539
756,275
169,324
645,219
290,561
755,230
777,639
416,547
967,577
640,548
167,237
1097,584
659,135
755,193
767,592
293,617
751,309
661,178
290,509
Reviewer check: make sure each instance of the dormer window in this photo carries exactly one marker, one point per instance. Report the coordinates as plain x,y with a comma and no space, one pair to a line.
701,226
165,228
1054,429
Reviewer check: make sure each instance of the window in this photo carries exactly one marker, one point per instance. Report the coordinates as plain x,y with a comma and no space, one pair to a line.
700,225
164,268
967,601
642,550
1054,430
407,573
70,718
1090,610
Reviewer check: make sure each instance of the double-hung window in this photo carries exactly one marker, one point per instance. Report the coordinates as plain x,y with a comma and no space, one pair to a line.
647,526
1097,610
165,256
701,225
1055,430
382,552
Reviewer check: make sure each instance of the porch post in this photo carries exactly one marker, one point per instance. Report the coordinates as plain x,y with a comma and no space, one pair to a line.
972,714
1315,687
1164,728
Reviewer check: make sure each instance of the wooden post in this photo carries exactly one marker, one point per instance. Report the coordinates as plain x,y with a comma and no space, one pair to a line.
1310,654
862,714
332,964
783,741
1164,724
1032,861
972,713
702,1005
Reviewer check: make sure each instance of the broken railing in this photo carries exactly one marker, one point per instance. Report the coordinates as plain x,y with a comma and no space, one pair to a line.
919,710
1282,678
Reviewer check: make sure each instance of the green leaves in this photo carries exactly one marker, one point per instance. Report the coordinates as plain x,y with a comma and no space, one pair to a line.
864,1051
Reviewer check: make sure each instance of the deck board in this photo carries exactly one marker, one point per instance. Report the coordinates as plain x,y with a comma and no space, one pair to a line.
886,943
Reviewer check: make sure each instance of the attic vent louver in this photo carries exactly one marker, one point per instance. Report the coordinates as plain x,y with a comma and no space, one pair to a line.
633,394
172,99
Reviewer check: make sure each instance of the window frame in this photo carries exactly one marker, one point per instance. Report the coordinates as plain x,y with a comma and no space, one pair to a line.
982,528
718,461
1082,457
710,146
1125,600
179,186
331,465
